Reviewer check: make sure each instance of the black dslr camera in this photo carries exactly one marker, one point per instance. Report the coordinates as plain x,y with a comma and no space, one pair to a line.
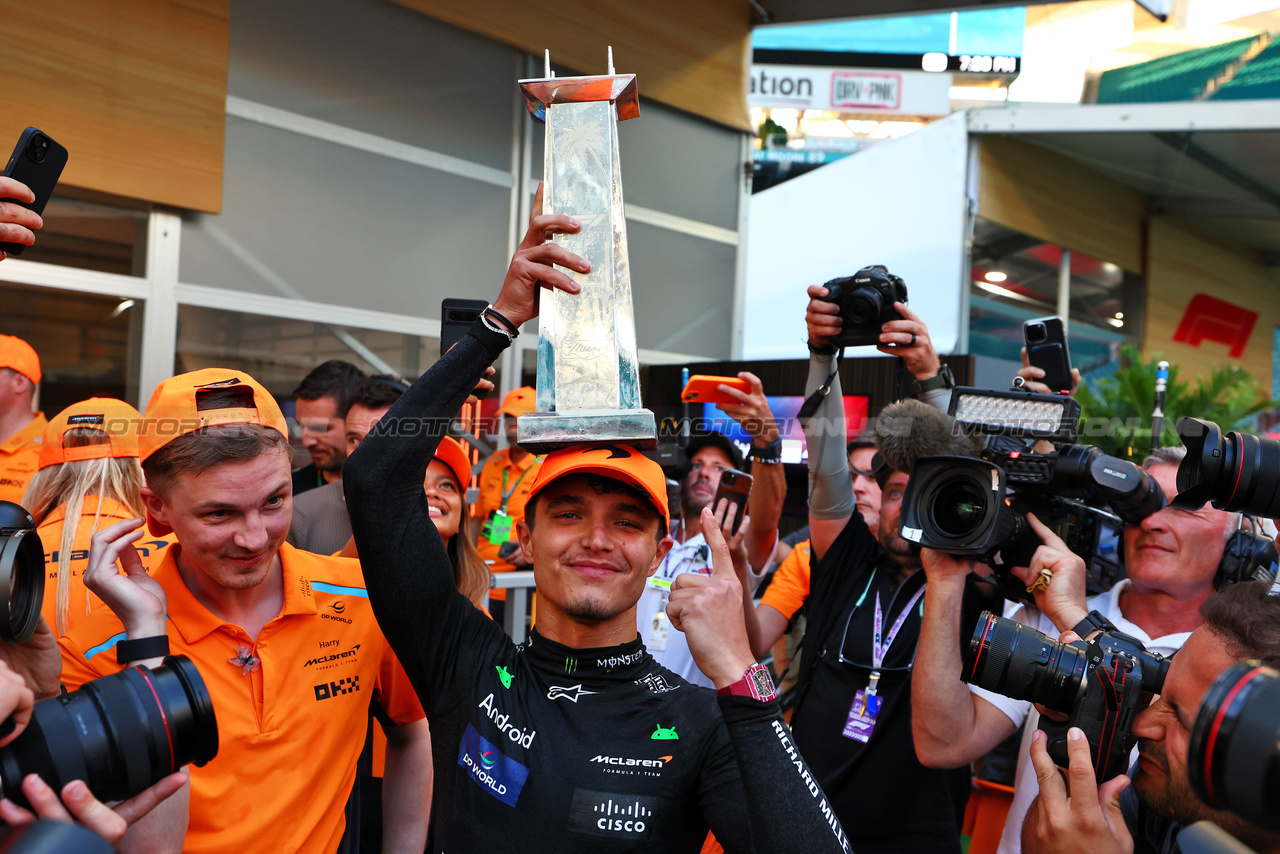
977,508
866,303
1099,684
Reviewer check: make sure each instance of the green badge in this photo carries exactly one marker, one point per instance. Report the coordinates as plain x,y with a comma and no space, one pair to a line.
665,734
500,528
506,678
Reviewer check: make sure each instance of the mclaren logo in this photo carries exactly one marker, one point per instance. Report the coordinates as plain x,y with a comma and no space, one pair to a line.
337,656
572,693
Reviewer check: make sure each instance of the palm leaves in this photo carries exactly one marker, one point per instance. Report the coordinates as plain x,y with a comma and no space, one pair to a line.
1116,411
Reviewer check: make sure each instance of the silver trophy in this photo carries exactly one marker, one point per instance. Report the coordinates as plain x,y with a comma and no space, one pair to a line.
588,376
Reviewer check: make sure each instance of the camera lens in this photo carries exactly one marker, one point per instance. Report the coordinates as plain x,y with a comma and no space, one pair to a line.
1236,472
958,507
38,147
1036,333
1234,761
120,734
1010,659
864,306
22,569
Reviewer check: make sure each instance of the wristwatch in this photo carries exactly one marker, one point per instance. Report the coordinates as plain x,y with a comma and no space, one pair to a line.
1093,622
755,683
944,379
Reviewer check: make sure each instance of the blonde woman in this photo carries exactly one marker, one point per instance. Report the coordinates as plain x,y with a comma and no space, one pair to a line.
88,479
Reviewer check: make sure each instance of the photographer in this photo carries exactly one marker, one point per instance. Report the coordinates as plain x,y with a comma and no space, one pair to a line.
1240,622
17,222
1171,558
852,721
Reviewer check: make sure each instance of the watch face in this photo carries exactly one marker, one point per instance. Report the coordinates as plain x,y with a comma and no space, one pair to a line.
761,683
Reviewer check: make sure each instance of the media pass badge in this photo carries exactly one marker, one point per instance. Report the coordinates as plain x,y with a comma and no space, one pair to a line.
496,773
610,814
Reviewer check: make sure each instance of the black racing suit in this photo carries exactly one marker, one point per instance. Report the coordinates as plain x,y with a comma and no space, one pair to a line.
541,747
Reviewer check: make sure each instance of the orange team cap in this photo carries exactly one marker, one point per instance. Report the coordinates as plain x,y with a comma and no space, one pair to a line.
173,410
620,462
518,402
114,417
451,454
19,355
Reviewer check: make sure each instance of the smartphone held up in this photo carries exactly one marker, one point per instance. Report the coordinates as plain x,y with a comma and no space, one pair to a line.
37,161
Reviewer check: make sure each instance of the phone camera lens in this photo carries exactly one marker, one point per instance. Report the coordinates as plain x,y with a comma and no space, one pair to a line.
38,148
1036,333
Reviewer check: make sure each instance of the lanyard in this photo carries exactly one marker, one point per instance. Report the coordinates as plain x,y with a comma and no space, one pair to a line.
506,494
880,650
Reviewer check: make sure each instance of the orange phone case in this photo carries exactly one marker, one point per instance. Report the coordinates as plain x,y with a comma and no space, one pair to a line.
704,389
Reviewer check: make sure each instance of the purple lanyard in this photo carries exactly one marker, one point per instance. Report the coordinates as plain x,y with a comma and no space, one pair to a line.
880,650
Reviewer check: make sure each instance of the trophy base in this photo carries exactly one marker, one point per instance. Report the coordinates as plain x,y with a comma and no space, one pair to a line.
543,432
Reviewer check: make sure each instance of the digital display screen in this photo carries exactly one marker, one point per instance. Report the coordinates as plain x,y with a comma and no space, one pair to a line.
785,408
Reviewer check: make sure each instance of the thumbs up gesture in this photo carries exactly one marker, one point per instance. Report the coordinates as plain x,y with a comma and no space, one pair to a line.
708,609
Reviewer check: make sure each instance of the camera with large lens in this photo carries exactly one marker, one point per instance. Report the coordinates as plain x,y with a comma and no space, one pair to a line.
21,572
977,508
1234,761
1237,472
120,734
866,303
1098,683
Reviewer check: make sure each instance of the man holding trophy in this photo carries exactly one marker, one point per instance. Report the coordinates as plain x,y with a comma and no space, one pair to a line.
577,735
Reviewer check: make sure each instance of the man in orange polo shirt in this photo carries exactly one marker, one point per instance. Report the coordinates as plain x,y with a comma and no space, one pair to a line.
20,424
505,482
285,640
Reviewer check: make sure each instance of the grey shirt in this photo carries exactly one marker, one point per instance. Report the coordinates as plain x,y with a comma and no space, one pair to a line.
320,521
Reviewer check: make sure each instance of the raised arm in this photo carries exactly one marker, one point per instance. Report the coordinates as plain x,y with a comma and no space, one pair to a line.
831,498
768,484
951,726
406,567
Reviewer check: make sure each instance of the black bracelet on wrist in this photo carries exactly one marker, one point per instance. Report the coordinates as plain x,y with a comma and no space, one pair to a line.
769,454
156,646
501,318
821,350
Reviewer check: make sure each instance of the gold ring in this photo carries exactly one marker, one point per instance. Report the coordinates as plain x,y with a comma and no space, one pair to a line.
1042,583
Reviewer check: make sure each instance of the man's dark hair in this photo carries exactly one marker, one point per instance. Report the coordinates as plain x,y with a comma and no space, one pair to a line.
602,483
334,378
1247,619
858,443
377,391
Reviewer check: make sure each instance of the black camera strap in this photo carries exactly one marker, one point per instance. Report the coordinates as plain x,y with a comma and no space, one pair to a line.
813,401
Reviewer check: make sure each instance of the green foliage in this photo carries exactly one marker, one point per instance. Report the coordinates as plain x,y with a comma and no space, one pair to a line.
1116,413
770,128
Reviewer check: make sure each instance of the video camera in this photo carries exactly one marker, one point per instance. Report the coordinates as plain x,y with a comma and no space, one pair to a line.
1099,683
21,573
866,303
977,508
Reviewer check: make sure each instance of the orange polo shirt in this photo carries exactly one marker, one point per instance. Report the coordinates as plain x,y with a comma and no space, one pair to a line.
790,585
150,549
491,492
19,459
289,733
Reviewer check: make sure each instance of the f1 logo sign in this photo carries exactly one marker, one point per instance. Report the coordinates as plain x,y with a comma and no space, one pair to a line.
1212,319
